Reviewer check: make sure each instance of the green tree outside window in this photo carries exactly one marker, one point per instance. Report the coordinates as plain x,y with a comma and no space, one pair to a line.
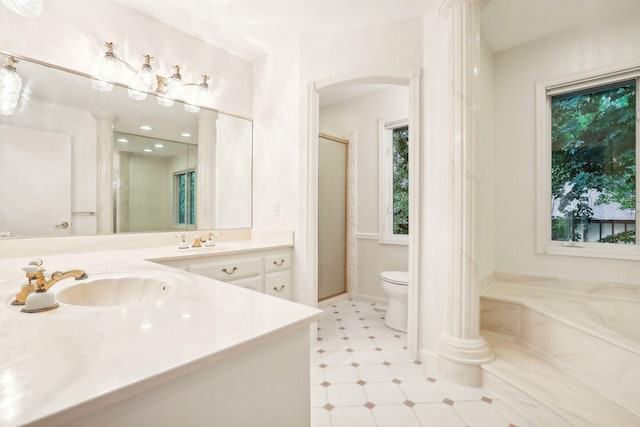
593,138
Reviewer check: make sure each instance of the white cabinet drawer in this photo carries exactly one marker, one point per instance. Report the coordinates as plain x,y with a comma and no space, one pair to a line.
278,284
277,262
228,270
253,283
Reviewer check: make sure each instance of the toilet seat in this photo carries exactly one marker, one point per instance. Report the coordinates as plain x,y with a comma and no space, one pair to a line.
395,277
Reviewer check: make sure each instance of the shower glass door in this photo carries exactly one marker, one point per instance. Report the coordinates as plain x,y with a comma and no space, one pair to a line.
332,217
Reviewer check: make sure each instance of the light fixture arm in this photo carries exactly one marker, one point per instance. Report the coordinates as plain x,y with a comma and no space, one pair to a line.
110,53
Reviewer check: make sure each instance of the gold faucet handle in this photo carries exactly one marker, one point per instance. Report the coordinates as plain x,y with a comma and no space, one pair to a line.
41,280
32,268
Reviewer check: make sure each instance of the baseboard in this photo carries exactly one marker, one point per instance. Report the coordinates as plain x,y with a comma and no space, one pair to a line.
370,299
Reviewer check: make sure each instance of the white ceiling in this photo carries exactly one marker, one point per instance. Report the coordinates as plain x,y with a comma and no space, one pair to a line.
251,28
510,23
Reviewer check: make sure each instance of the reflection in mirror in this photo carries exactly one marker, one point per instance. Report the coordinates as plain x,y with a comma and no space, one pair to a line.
68,173
154,184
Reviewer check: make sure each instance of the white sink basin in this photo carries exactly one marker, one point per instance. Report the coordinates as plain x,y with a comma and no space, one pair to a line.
114,291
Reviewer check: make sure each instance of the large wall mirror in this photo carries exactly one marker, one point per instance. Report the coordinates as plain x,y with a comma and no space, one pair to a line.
50,146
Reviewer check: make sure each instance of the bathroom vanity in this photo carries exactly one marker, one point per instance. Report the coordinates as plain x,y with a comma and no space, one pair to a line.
202,352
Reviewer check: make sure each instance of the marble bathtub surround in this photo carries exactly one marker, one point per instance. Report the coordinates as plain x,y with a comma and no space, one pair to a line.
603,316
585,331
545,393
79,350
594,288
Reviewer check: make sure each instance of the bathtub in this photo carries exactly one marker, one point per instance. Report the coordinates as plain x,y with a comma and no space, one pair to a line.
588,330
611,312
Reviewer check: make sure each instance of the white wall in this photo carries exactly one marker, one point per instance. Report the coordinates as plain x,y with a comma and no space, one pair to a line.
390,45
70,33
280,134
360,116
278,158
485,170
516,71
233,172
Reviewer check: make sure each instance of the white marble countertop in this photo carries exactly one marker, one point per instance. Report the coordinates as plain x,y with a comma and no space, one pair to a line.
75,359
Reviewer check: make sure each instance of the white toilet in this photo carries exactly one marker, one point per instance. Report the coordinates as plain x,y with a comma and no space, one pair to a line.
396,286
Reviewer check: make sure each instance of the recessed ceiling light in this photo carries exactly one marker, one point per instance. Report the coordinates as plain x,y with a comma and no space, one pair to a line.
186,134
122,140
148,150
146,127
159,146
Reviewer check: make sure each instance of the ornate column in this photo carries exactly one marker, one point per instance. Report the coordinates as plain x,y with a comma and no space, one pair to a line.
461,350
206,171
104,130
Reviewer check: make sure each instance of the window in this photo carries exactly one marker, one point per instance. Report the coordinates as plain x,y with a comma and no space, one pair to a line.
394,182
184,184
590,139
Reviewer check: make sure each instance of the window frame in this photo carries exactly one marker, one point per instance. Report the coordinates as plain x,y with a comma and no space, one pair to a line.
385,185
544,91
188,199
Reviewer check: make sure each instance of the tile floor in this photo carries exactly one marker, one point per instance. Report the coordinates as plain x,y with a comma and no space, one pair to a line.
361,376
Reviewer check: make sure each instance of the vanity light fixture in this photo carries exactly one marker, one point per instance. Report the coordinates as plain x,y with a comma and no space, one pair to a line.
10,87
148,150
168,89
159,146
26,8
146,127
123,140
186,134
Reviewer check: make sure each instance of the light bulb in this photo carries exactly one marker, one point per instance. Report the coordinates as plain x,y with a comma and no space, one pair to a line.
174,84
109,69
145,80
171,88
199,97
26,8
10,87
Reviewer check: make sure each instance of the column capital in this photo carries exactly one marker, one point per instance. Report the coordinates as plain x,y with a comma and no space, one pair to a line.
447,5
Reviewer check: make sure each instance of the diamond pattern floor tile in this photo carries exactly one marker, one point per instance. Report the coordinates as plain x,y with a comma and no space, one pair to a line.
361,375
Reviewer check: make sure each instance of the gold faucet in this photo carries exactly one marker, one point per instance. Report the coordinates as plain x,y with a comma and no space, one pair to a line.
198,242
42,284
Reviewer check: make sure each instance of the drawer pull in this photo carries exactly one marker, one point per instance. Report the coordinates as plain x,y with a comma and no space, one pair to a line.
224,270
275,288
278,264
